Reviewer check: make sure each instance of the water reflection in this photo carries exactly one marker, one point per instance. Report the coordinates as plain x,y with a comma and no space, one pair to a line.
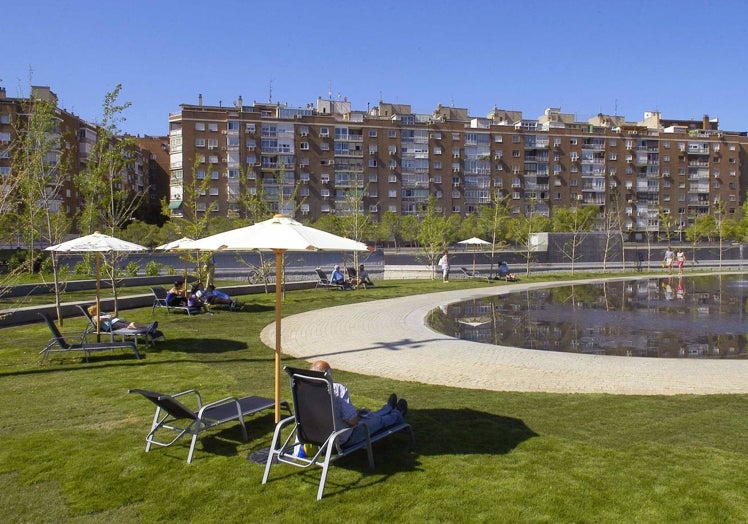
670,317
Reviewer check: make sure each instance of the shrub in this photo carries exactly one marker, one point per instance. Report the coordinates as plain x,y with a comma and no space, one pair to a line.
151,268
81,268
131,269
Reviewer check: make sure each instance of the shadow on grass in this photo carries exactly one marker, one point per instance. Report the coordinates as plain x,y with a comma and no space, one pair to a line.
438,432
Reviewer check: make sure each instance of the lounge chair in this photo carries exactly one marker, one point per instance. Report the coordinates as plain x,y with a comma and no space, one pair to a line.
477,275
58,344
169,411
148,335
159,301
323,281
313,423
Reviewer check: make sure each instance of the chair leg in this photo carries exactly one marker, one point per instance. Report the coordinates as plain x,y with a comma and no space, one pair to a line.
325,467
194,441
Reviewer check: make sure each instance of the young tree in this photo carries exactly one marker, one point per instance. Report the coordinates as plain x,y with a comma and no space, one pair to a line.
390,228
109,200
432,235
577,221
41,162
493,221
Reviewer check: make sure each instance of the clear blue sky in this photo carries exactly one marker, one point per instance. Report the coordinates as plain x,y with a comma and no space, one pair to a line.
685,58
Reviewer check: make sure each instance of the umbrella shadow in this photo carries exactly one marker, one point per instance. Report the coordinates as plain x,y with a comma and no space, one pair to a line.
206,345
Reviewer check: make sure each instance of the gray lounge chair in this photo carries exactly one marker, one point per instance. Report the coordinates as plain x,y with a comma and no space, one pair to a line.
313,422
135,333
169,411
159,301
58,344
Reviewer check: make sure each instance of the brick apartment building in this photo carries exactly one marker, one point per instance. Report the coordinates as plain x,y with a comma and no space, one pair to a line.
77,138
396,159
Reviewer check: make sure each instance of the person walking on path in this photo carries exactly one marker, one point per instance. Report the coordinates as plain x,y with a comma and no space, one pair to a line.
669,259
444,263
680,260
210,270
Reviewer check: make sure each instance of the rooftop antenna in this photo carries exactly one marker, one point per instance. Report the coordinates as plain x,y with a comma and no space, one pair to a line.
329,91
270,95
616,108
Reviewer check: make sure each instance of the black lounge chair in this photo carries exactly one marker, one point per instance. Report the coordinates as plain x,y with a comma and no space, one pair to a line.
323,281
58,344
313,422
480,276
169,411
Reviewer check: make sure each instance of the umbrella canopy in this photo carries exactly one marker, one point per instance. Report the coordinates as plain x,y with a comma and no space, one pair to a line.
475,242
279,234
181,244
96,243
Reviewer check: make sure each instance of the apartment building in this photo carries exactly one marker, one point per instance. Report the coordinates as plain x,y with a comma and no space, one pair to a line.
327,157
76,137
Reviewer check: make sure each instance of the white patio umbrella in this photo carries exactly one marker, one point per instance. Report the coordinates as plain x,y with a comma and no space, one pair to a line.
96,243
475,242
182,244
279,234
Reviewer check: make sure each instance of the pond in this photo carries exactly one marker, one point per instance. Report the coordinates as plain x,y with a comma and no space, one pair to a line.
666,317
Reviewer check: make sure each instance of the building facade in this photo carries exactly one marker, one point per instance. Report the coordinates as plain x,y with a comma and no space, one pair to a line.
312,160
76,138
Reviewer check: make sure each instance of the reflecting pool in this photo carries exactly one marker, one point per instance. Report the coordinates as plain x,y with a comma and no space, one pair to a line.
667,317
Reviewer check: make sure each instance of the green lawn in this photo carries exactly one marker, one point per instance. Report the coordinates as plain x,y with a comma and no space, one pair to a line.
73,441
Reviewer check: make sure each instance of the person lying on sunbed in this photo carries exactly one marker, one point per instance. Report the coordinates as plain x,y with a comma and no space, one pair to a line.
108,322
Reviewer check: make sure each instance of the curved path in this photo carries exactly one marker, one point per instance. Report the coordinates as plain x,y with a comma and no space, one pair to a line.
390,338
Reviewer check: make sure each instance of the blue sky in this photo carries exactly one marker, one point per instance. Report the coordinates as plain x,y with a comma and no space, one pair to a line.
685,58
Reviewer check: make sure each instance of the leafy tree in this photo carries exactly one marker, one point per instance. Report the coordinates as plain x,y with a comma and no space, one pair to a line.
409,227
493,222
432,235
391,228
522,230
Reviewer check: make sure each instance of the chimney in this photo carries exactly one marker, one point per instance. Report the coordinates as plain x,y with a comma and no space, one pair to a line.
241,102
200,100
2,93
705,122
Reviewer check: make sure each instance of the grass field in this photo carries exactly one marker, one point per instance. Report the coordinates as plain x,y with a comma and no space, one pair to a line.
73,440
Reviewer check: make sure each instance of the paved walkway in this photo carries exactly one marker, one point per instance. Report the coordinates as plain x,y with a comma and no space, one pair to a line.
390,338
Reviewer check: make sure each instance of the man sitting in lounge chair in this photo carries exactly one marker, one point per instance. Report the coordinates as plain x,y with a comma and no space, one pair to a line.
338,279
346,414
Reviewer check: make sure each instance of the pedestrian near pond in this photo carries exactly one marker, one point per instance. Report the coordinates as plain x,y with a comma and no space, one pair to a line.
444,263
668,260
680,260
210,270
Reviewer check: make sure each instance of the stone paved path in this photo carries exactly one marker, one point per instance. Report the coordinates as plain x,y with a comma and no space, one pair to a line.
390,338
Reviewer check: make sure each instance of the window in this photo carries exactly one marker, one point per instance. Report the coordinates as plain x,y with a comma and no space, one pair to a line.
214,175
557,195
212,127
436,136
515,153
391,150
213,191
455,137
232,125
392,209
200,175
304,130
250,128
373,178
437,179
4,171
392,178
392,193
666,158
373,208
455,193
437,150
613,142
324,132
199,142
201,206
573,141
613,156
213,159
4,119
573,182
304,146
212,143
199,126
456,209
498,139
324,146
372,162
437,165
373,149
392,133
372,133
